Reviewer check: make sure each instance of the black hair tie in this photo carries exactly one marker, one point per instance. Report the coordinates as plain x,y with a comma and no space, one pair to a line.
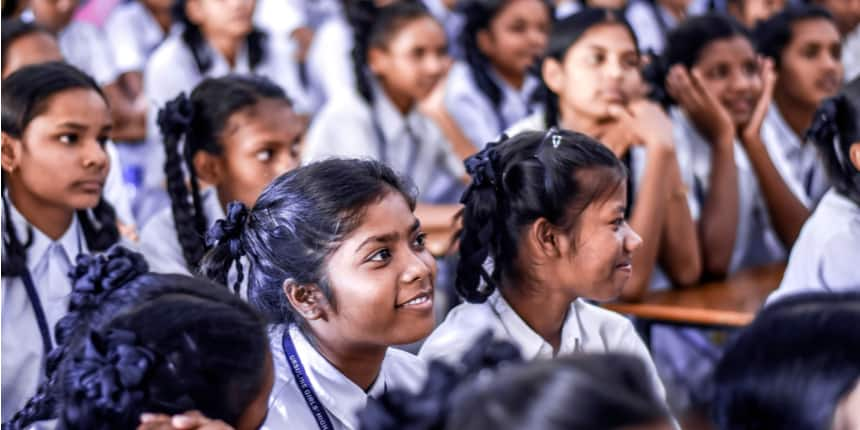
96,275
175,117
230,229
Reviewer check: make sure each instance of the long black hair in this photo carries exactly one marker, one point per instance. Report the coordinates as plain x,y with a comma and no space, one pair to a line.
516,181
200,49
373,27
26,93
479,15
138,342
189,125
684,45
297,222
835,127
775,33
564,34
792,365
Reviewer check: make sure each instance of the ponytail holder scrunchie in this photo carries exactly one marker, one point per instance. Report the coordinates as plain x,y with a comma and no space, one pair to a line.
483,165
95,275
230,229
175,117
112,371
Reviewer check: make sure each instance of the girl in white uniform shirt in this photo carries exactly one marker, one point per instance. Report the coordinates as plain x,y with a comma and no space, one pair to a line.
494,86
805,46
547,210
710,75
55,119
215,40
405,50
237,134
336,259
653,19
594,87
825,255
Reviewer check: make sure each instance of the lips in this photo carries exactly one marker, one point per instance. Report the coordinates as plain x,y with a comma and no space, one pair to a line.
625,265
828,84
90,186
420,299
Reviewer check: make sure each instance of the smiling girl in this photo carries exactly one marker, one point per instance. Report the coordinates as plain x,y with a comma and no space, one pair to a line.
56,122
336,259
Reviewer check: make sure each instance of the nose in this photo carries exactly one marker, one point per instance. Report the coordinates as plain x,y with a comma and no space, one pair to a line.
741,81
538,39
613,69
435,64
419,267
65,6
95,156
632,240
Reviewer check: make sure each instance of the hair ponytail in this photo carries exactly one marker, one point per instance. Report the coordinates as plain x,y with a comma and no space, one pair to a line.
835,127
225,241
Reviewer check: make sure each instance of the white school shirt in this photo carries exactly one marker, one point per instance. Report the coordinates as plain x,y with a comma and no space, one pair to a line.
452,21
587,329
756,242
171,69
650,28
340,397
84,46
345,128
133,34
49,263
115,191
473,111
796,161
159,242
851,55
825,256
329,61
638,157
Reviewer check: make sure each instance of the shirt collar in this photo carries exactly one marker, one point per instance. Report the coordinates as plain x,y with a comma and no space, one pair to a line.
220,66
388,117
72,242
531,344
212,205
786,135
340,396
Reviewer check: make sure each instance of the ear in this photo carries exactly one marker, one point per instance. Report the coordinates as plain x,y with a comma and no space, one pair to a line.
193,11
553,74
853,155
10,150
546,238
484,40
307,299
209,167
377,60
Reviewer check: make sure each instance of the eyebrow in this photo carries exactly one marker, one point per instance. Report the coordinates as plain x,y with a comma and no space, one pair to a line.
389,237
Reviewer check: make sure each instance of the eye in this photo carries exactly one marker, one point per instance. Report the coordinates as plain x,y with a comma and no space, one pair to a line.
630,62
264,155
617,223
103,140
382,255
420,241
596,58
69,138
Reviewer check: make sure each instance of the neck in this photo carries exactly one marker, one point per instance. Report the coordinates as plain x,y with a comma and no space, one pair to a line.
228,47
569,119
678,12
513,78
403,103
51,220
359,363
796,115
163,17
543,309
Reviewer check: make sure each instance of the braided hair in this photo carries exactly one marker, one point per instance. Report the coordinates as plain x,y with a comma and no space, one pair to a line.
26,93
516,181
196,123
200,49
373,27
297,222
567,32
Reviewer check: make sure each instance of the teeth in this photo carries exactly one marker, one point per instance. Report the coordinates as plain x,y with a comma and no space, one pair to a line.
417,301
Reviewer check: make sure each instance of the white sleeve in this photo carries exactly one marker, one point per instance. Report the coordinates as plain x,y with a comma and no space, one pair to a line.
339,131
124,46
472,112
329,61
114,190
101,60
160,246
628,341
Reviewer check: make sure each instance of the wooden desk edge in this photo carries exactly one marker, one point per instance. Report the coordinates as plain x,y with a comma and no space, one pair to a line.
674,314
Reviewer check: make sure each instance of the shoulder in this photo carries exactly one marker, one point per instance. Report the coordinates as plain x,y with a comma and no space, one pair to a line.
172,52
405,369
533,122
122,16
159,244
451,339
616,332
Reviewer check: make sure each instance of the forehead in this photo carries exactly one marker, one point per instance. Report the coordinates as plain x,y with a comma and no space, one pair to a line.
521,8
814,30
265,116
422,31
609,36
391,213
735,47
79,105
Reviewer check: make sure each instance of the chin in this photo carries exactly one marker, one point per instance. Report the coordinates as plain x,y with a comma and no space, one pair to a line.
83,202
416,331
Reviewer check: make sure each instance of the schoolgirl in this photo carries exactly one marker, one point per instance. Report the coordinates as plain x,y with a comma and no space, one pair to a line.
55,119
804,44
710,77
823,258
544,230
215,40
654,19
235,134
495,85
399,57
594,86
120,363
336,260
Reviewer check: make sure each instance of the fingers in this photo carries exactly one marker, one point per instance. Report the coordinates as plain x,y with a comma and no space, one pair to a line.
191,420
683,88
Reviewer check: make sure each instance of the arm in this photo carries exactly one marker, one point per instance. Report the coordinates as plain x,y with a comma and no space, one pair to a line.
127,107
786,211
680,254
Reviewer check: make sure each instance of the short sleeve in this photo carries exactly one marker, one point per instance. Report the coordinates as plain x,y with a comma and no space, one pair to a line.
471,110
837,267
341,129
124,47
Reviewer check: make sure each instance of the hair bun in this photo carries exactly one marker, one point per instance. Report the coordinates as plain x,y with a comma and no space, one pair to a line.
96,274
483,166
175,117
112,370
230,229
